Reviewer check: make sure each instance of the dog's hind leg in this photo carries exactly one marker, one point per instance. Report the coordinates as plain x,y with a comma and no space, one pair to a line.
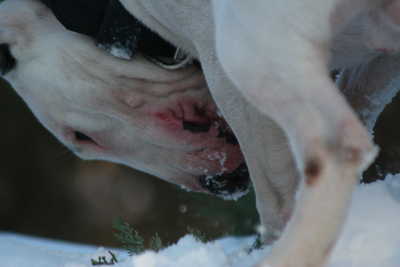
370,87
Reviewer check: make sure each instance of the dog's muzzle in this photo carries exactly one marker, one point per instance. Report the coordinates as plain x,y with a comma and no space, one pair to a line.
228,185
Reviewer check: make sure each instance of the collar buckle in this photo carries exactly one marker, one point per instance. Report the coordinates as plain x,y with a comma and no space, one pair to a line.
179,60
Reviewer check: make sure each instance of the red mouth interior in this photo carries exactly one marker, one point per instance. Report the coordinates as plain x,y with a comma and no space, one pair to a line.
202,126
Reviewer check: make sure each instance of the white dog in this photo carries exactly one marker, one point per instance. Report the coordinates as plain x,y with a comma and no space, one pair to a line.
266,67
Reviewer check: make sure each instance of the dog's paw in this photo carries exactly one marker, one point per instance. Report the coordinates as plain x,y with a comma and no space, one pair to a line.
383,28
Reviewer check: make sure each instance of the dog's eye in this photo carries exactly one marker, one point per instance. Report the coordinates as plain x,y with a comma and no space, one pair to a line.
82,137
7,61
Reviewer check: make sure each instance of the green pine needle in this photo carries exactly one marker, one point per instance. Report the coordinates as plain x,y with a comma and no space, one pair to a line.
200,237
103,261
156,243
135,241
257,245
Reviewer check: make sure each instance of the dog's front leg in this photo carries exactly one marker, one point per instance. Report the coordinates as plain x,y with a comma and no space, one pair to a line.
276,53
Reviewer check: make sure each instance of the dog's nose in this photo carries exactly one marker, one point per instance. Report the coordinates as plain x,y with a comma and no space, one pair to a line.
7,61
227,184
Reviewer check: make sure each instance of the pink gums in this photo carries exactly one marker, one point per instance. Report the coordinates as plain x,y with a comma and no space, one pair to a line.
213,153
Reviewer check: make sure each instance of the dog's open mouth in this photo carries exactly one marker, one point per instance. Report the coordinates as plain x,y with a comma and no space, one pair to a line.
227,185
229,137
226,174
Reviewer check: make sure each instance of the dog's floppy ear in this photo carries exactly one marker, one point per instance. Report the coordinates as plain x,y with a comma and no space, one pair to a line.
10,28
17,17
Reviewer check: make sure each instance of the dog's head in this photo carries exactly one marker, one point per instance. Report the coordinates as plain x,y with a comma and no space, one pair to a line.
132,112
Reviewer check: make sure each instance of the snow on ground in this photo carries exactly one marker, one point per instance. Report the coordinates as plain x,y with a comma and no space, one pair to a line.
370,238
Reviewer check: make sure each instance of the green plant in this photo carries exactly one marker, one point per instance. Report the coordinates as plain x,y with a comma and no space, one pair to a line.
200,237
156,243
128,236
103,261
257,244
136,242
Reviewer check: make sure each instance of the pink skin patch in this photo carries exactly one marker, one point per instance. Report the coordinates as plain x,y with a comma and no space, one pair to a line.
189,112
200,126
386,50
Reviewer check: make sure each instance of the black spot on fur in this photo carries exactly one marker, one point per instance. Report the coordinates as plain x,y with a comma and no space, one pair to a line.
195,127
230,138
7,61
313,171
228,183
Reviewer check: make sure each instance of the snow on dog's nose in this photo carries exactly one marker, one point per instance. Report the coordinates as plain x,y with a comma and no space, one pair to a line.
227,185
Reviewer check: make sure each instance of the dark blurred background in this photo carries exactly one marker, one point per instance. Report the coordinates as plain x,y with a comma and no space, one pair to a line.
46,191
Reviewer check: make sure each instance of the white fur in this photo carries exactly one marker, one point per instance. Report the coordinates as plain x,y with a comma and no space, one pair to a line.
266,63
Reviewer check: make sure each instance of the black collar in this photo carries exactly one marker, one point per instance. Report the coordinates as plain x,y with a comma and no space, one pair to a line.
112,26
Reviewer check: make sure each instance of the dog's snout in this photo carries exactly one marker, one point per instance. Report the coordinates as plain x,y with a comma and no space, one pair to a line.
228,185
7,61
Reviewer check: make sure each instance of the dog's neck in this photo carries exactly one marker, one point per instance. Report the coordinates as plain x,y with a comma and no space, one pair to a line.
111,25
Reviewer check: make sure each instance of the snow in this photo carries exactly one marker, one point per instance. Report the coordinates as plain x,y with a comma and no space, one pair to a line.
370,238
117,49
